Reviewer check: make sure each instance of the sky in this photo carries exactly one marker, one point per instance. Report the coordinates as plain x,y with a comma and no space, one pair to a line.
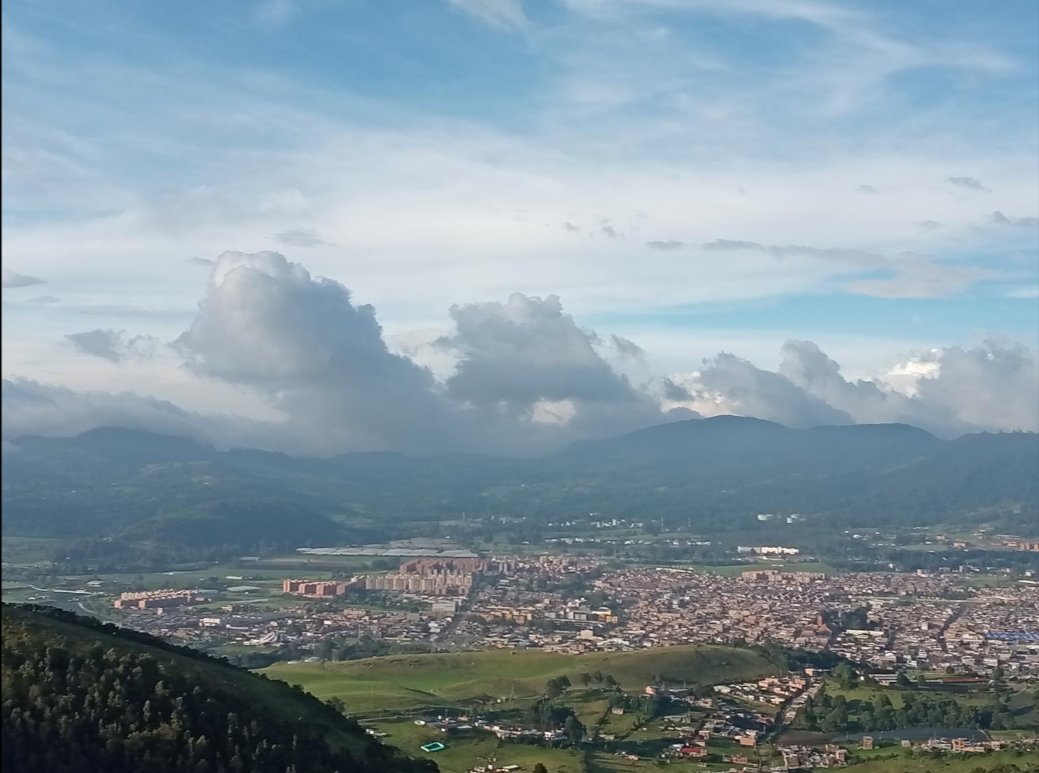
501,225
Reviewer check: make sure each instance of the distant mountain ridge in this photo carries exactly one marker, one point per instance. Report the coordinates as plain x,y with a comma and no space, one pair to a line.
712,472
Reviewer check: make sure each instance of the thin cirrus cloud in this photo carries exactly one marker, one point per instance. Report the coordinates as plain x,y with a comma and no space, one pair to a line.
667,245
907,275
502,14
299,238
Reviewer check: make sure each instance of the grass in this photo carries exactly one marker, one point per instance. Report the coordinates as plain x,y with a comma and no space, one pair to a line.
406,682
268,579
866,693
466,751
588,706
901,763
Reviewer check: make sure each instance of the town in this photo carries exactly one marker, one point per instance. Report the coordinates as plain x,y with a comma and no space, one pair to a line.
888,621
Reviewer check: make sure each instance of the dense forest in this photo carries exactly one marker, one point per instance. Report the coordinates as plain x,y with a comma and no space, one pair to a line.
135,488
84,697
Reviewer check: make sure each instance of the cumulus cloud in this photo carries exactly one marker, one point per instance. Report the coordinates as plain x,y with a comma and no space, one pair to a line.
612,232
266,324
571,227
113,345
953,390
9,278
999,218
32,408
666,246
626,348
968,183
518,353
522,377
990,387
196,261
675,392
737,386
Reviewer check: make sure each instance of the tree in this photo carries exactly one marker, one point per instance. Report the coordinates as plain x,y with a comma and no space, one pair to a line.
556,686
834,721
540,768
845,676
902,680
584,678
574,730
610,682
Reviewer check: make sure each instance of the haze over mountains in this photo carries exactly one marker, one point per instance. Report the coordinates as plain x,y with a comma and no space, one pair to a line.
711,474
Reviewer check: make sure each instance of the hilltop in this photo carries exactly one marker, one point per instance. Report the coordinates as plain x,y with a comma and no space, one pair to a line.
80,697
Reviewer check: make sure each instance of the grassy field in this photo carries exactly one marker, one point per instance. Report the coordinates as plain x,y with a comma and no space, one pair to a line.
588,706
896,761
409,682
605,762
465,751
866,693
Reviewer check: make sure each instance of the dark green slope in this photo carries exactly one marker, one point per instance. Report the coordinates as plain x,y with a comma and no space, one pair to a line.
82,697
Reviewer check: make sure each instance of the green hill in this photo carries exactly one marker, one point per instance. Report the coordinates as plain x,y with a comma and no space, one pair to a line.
83,697
408,682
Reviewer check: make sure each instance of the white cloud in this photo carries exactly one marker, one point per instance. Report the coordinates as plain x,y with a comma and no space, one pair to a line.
523,377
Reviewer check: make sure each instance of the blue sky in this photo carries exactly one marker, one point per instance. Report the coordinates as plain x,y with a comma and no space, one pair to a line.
698,176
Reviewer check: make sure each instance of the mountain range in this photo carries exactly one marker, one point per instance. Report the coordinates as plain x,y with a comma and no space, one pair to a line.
713,474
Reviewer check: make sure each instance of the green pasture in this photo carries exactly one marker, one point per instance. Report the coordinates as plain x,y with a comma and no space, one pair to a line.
406,682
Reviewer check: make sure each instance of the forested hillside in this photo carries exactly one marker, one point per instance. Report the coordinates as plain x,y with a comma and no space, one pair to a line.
82,697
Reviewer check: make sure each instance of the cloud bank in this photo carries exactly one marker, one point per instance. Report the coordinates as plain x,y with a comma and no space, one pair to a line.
527,378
